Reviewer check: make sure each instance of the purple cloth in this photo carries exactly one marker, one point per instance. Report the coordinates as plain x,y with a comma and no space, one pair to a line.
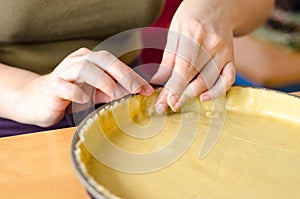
10,127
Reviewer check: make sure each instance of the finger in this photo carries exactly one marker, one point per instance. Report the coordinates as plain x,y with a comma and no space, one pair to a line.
165,69
205,79
120,92
80,52
189,61
168,59
174,87
193,44
85,71
184,70
125,76
161,101
101,97
69,91
222,85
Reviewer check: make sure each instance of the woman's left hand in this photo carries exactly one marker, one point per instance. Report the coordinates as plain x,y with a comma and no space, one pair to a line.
198,57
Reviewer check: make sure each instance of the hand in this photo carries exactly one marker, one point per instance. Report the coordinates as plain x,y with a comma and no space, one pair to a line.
296,93
198,57
51,94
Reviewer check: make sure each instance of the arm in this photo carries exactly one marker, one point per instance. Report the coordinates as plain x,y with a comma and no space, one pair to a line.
42,100
13,82
296,93
248,15
198,57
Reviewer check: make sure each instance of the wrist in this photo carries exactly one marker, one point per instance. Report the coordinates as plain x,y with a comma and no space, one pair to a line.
28,100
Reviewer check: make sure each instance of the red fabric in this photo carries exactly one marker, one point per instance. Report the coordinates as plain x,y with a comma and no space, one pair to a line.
152,55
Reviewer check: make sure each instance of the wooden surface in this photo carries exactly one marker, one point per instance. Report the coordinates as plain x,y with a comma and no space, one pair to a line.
39,166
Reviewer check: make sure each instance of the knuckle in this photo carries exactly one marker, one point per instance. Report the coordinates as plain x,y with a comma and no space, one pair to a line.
82,66
183,64
107,59
104,54
55,83
58,89
83,50
126,72
79,52
215,41
196,27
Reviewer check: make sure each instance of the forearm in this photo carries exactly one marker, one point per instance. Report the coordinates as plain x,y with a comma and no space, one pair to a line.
13,89
248,15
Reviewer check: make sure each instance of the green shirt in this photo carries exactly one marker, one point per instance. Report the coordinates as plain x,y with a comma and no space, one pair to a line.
37,34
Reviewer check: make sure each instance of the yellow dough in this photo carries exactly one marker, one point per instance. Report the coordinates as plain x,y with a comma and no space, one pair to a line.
257,154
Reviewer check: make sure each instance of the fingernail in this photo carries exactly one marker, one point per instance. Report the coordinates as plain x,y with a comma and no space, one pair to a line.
176,107
148,89
135,87
117,93
205,98
160,109
173,100
85,98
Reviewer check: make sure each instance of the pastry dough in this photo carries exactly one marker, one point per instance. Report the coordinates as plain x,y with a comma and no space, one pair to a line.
256,156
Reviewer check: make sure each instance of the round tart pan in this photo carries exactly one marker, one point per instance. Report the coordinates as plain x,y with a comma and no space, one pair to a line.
256,156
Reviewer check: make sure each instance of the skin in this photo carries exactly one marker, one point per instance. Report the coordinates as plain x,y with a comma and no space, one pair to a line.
206,29
42,100
207,71
266,63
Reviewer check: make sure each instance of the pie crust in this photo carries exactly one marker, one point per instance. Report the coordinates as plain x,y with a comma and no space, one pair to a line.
256,156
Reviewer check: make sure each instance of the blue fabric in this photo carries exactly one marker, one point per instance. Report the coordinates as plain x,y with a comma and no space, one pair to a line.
242,81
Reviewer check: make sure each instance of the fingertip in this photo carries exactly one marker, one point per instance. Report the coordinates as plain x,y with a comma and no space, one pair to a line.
135,87
147,90
173,102
176,107
156,79
161,108
205,97
119,92
162,75
101,97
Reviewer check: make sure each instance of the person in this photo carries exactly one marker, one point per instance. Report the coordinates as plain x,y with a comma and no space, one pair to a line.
270,56
40,75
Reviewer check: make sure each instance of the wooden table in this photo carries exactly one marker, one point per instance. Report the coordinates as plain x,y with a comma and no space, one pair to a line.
38,165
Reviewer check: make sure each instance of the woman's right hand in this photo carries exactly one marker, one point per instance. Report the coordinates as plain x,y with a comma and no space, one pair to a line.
51,94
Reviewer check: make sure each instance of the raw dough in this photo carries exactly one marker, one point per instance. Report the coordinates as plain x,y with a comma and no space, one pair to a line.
256,156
